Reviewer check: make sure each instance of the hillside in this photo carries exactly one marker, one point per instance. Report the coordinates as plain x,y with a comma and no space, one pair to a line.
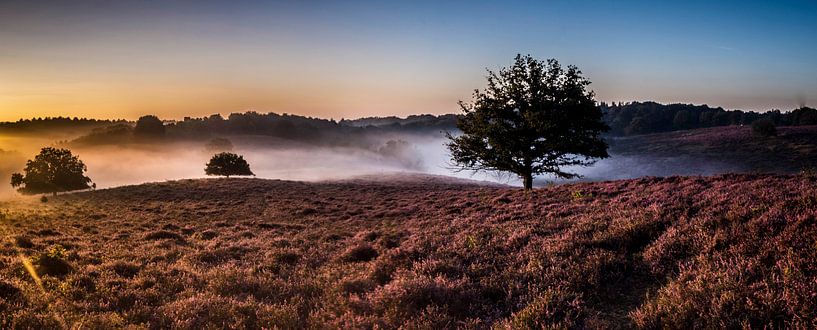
676,252
732,148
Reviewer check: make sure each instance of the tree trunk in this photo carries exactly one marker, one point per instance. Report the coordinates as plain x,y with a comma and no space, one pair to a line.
527,179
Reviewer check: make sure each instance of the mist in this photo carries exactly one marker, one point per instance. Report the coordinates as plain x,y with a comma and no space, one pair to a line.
270,158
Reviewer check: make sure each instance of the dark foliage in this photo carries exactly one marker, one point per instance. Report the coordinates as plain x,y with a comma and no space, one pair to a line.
53,170
52,262
650,117
118,133
764,127
51,124
532,118
227,164
149,126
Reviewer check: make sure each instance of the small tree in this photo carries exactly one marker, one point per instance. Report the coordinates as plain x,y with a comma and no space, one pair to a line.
533,118
227,164
149,126
764,127
53,170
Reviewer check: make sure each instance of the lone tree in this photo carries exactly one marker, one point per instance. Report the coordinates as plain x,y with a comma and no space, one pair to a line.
227,164
149,126
52,171
533,118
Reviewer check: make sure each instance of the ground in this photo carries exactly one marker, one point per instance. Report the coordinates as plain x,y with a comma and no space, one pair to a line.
417,252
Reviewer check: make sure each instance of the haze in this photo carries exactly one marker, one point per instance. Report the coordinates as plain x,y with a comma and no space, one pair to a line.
122,59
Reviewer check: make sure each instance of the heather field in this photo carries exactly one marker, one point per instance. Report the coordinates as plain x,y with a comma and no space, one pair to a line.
416,252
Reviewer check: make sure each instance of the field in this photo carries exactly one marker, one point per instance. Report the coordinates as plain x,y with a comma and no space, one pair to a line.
418,252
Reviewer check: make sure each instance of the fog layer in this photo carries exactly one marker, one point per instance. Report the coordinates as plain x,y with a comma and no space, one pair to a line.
117,165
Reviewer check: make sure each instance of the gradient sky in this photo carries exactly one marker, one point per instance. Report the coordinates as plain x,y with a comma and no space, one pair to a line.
117,59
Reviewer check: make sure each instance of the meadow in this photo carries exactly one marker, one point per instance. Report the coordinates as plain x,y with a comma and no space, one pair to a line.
415,251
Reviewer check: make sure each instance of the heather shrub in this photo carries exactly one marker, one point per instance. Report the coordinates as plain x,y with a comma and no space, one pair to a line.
207,235
163,234
408,295
10,294
234,282
206,311
52,262
556,308
219,255
355,285
360,253
23,242
730,293
287,257
125,269
668,250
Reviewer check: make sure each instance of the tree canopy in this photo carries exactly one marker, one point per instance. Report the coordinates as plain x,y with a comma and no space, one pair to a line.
227,164
149,126
533,118
53,170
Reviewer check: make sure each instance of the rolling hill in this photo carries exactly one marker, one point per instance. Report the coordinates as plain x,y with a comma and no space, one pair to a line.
417,252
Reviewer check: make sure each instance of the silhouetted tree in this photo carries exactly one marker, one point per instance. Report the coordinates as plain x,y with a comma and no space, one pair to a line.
149,126
227,164
764,127
534,117
53,170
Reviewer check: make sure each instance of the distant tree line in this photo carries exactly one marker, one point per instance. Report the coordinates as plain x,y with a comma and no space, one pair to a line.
651,117
285,126
624,119
53,123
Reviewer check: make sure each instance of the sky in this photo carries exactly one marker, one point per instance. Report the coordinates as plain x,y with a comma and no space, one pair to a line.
350,59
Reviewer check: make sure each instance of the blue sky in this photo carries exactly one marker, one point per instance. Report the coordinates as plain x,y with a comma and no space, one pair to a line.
363,58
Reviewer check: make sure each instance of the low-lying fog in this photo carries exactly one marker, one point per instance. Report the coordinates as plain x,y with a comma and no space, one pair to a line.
110,166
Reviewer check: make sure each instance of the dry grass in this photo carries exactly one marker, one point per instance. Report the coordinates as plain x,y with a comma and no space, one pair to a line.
680,252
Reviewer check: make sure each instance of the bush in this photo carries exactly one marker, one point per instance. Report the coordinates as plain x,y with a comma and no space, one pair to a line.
227,164
360,253
52,262
764,127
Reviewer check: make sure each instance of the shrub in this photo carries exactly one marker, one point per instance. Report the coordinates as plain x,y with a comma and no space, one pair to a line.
360,253
23,242
125,269
52,262
764,128
555,309
162,234
9,292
